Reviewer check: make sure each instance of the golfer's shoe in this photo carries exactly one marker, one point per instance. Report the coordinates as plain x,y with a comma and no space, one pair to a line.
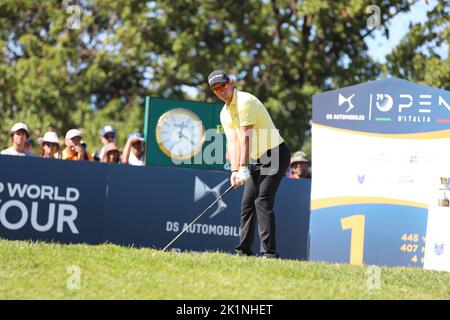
268,256
243,253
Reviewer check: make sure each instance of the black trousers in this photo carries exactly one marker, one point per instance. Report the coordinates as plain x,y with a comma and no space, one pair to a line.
259,198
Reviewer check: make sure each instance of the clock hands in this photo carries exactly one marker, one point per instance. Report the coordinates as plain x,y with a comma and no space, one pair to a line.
181,125
181,134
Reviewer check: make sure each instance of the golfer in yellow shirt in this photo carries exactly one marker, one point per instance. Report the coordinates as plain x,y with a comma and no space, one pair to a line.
252,137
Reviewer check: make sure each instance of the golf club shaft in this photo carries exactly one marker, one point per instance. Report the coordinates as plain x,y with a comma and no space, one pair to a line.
184,230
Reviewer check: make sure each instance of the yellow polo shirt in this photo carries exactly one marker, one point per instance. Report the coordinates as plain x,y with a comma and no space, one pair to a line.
244,110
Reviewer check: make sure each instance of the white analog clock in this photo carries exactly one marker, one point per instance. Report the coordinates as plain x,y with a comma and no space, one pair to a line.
180,133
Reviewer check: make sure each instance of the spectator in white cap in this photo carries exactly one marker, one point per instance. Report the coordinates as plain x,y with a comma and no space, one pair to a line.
134,150
74,150
50,146
19,136
107,135
299,168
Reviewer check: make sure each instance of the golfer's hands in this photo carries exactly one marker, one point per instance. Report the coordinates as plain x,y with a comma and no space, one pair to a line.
233,179
240,177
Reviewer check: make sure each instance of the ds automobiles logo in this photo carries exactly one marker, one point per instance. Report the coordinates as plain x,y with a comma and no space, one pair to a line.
202,190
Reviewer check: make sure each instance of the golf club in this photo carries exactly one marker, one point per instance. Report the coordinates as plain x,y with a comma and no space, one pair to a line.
170,243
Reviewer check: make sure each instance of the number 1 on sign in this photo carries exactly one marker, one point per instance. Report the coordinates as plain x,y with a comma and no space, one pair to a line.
356,223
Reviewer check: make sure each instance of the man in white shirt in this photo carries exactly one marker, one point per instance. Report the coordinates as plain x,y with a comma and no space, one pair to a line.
19,136
108,135
134,150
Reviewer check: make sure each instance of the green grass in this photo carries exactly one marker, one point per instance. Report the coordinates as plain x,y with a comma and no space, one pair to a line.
40,271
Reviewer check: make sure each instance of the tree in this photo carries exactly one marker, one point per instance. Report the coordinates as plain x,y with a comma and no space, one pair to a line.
57,78
420,56
56,75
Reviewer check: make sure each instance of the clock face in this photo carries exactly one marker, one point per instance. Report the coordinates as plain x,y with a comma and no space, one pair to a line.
180,133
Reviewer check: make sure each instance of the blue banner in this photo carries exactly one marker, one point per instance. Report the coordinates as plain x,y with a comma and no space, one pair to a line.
77,202
45,199
380,165
390,106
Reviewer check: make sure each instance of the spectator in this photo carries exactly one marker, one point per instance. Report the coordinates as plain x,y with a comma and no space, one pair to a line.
19,136
87,156
111,154
108,135
134,150
74,150
299,166
50,146
29,144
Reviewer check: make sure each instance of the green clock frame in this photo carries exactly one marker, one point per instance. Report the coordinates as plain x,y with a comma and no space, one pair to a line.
209,114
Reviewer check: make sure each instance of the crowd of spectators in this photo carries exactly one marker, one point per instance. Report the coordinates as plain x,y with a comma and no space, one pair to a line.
75,148
133,152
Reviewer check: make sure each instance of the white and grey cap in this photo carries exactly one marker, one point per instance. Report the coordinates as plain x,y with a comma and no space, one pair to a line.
72,133
218,76
20,126
299,156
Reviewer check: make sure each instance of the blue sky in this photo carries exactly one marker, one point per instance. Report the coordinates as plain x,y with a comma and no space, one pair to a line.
379,46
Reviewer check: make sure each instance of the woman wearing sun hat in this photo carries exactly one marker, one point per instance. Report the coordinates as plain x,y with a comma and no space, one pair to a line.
50,146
